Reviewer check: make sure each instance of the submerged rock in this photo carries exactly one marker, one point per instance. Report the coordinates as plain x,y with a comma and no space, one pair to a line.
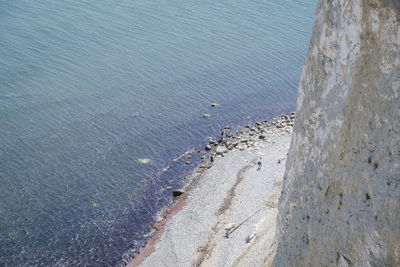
144,161
222,140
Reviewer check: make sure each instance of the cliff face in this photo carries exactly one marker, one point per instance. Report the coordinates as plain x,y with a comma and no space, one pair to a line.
340,203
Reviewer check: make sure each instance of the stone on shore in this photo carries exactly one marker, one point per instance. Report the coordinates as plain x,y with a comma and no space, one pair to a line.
177,193
221,150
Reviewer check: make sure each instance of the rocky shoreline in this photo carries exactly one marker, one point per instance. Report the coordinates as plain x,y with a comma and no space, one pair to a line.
250,135
231,143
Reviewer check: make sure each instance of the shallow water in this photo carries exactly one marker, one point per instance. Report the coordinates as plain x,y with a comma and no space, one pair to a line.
87,88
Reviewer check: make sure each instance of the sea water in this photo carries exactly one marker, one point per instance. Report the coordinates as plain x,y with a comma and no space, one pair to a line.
88,88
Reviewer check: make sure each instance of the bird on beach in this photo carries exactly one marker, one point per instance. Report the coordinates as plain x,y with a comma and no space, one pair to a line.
259,164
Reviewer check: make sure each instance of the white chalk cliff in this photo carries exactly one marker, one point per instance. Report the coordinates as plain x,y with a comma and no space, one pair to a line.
340,204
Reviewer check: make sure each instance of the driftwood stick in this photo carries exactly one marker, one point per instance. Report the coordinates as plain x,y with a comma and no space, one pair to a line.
237,226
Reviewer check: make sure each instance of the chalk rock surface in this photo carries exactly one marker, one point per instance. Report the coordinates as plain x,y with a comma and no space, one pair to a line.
340,204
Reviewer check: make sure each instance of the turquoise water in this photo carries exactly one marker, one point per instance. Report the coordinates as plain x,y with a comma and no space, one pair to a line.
89,87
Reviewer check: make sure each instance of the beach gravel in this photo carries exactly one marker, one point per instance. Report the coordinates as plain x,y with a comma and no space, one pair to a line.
232,193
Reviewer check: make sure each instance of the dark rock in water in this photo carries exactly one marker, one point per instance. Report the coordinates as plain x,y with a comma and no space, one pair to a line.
187,162
208,147
177,193
214,104
222,141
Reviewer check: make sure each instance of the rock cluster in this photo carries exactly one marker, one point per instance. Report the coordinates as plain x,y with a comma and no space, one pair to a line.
251,135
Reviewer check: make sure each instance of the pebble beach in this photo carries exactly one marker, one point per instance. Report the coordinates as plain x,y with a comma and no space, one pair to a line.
226,215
